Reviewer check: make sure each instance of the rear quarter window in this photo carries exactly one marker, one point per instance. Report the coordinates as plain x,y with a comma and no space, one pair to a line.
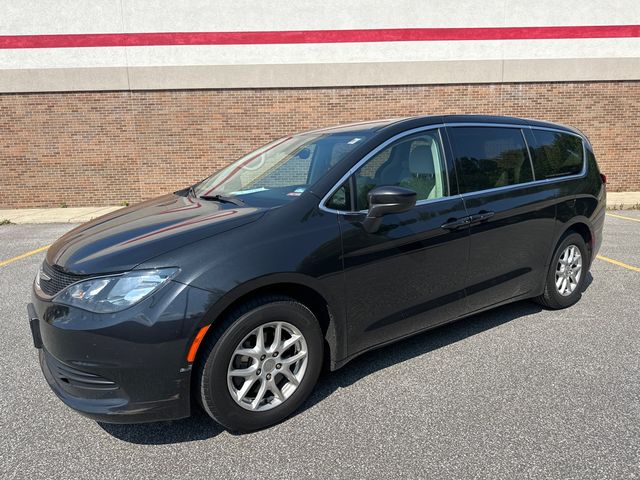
556,154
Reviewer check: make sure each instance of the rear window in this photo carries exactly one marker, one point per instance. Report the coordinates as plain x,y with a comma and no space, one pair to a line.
556,154
490,157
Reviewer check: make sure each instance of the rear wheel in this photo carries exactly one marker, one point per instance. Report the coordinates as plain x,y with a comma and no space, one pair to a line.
567,273
262,366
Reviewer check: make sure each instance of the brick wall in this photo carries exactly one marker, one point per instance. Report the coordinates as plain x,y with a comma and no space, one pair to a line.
105,148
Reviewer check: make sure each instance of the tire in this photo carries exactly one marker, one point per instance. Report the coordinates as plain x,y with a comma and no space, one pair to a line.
552,297
218,391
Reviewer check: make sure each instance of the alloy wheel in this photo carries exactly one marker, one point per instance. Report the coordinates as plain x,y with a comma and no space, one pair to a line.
568,270
267,366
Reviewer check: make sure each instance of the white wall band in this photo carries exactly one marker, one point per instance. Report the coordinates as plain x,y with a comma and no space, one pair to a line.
311,65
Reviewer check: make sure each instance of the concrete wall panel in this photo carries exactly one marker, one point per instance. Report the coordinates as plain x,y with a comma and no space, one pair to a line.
264,63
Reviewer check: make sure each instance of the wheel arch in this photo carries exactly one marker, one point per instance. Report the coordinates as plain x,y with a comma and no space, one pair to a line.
585,232
301,288
576,226
579,225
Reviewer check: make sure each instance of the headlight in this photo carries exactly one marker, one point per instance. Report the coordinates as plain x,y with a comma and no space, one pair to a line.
114,293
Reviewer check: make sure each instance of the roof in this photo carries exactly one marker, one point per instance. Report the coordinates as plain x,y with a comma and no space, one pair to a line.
374,125
371,125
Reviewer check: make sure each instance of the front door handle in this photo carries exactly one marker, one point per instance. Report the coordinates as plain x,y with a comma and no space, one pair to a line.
481,217
454,224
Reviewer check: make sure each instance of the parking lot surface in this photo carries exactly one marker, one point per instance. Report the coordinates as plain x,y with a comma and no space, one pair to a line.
518,392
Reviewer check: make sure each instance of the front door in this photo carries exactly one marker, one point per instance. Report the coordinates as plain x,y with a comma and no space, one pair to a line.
409,275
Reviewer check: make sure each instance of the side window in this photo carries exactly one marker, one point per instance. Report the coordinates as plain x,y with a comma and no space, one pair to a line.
490,157
556,154
414,162
341,199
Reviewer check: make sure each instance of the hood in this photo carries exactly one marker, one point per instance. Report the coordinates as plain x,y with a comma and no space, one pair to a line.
125,238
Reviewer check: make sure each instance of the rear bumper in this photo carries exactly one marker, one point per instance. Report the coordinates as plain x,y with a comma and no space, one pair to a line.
126,367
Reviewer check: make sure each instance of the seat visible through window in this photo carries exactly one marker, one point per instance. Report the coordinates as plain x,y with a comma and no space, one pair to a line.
414,162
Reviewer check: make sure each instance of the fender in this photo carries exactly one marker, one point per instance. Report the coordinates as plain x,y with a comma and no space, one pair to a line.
562,228
336,333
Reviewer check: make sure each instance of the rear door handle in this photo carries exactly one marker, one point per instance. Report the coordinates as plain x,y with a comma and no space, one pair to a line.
456,223
481,217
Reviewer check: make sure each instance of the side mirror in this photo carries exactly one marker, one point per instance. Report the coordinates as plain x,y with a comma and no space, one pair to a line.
384,200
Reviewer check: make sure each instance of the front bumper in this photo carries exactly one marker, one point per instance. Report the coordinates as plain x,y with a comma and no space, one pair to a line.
111,404
126,367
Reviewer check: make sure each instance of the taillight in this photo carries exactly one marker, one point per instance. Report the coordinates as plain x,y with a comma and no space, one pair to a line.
604,178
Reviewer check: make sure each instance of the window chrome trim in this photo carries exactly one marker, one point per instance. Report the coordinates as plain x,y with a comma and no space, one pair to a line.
520,126
371,154
558,130
481,124
512,125
424,201
533,183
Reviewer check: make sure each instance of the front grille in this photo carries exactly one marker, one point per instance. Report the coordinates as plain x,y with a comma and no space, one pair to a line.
77,378
59,279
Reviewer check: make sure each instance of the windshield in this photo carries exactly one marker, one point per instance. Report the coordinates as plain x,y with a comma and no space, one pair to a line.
282,170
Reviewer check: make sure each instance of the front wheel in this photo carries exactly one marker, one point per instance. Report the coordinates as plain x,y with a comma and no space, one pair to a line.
567,273
260,368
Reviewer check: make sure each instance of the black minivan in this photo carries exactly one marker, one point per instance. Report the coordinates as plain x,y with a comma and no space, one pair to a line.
317,247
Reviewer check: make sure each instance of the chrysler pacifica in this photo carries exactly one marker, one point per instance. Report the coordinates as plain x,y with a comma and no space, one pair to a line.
232,293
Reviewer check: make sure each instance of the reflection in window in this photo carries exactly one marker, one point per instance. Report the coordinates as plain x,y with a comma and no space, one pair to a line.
490,157
341,199
282,170
556,154
415,162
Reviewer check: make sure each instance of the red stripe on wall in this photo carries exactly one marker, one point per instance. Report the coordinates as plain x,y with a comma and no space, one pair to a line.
315,36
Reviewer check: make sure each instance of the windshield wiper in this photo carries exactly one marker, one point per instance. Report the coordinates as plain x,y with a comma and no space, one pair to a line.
223,199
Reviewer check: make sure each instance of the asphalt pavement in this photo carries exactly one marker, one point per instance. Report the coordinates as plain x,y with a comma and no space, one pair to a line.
518,392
